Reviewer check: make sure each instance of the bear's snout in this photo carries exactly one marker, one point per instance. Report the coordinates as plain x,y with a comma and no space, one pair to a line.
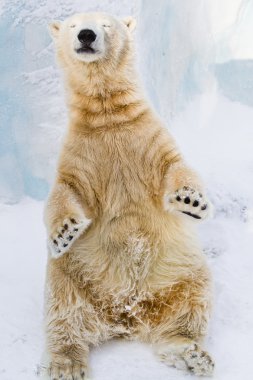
87,36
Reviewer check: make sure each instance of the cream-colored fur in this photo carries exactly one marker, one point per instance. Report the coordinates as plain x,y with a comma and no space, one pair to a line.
123,256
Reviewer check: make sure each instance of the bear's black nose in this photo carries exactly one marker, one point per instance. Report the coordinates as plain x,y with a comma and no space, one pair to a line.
86,36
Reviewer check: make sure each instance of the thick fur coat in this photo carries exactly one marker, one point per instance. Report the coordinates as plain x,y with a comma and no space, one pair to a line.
123,257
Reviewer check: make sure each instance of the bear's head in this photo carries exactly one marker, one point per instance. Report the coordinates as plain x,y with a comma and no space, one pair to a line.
91,37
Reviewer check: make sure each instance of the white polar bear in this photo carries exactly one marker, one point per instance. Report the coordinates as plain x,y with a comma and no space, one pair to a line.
123,256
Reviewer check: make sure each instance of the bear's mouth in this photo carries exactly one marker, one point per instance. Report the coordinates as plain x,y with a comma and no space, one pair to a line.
86,49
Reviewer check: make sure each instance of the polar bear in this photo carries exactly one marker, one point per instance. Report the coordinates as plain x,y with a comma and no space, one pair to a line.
124,260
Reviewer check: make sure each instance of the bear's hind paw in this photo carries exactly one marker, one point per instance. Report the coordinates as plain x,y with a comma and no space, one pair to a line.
199,362
67,372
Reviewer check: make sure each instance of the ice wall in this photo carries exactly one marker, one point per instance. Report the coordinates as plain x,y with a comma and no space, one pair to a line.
177,51
196,46
183,49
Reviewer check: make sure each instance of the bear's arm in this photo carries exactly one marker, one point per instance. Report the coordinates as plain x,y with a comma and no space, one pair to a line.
65,218
179,175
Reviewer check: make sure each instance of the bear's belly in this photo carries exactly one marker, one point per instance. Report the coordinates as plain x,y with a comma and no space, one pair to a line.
126,260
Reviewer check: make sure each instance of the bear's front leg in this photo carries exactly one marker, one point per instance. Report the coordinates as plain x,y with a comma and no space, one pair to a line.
183,192
65,219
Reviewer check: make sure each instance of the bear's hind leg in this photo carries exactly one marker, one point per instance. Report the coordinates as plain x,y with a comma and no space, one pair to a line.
68,351
181,323
72,324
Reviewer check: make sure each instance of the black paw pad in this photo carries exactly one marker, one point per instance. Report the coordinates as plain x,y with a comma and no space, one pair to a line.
204,207
178,198
195,203
55,242
75,229
187,200
73,221
65,245
192,215
65,226
60,236
70,237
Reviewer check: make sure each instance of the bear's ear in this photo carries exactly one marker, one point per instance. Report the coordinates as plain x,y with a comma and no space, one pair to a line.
54,28
130,23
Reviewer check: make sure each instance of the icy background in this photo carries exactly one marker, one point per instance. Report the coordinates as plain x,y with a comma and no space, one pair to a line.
196,62
184,48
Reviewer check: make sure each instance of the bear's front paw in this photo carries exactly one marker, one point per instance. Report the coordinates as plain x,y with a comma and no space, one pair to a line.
189,202
65,235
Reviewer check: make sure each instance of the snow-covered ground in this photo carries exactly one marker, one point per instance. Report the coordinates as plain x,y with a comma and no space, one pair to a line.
216,136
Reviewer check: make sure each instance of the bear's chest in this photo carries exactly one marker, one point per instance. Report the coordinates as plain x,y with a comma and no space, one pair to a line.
115,169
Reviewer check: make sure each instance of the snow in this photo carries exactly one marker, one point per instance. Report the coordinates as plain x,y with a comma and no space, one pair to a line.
22,275
216,136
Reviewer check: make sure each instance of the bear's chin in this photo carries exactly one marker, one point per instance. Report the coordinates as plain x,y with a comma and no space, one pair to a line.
87,55
86,49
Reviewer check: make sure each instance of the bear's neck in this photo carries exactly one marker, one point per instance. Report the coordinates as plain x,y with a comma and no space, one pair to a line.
102,98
